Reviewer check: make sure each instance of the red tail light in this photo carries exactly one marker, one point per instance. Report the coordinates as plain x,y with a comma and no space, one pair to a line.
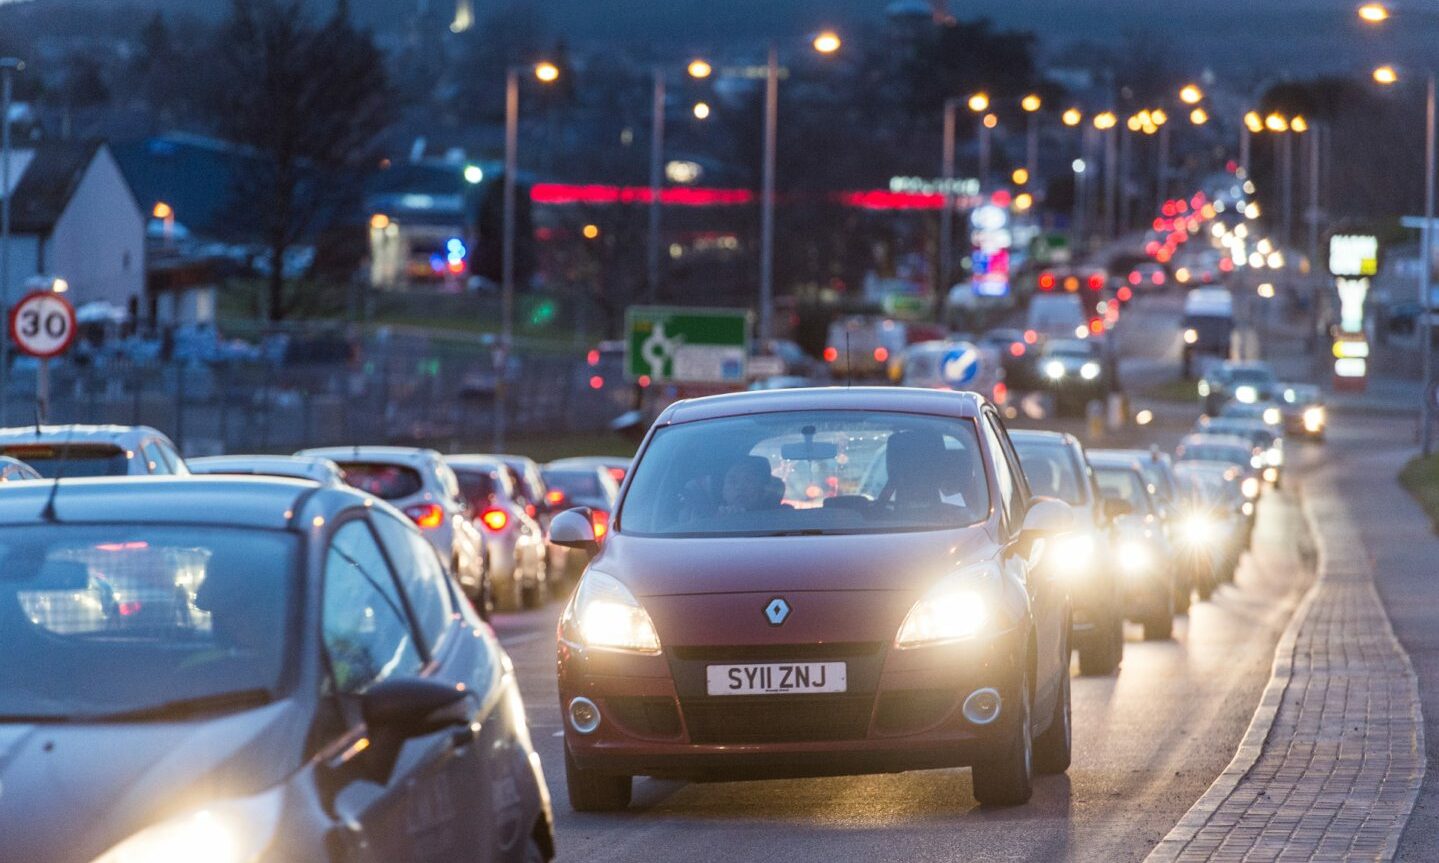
1096,326
601,521
531,510
495,519
426,515
1001,393
555,497
1046,281
618,474
831,354
130,608
1017,349
1125,294
1096,281
881,354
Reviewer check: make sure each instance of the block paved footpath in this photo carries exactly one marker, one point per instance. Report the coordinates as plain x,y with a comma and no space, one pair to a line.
1333,760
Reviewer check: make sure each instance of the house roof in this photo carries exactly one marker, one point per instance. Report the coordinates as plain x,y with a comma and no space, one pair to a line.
198,177
49,182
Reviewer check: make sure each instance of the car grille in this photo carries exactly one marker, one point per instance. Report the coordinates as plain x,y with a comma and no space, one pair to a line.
778,652
645,717
912,711
777,718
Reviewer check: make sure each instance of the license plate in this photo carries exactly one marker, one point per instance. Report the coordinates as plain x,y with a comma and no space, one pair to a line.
776,678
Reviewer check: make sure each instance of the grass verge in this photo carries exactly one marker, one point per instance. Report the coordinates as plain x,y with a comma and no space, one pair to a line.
1178,390
1421,477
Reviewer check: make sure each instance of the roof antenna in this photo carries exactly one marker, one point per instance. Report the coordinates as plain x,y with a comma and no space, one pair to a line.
848,363
48,513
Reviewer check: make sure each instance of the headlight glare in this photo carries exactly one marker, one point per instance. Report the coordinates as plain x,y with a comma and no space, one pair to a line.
1273,416
1071,554
1246,394
1135,557
1054,370
1200,529
1250,487
232,832
1191,336
1089,371
1314,419
606,615
954,609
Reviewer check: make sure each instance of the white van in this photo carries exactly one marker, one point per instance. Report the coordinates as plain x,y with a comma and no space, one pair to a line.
1208,325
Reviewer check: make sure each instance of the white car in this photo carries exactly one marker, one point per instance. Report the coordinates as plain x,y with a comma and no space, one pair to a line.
315,468
90,450
14,470
419,483
514,541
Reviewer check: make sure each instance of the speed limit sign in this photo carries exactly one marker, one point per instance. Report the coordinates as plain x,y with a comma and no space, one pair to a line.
42,324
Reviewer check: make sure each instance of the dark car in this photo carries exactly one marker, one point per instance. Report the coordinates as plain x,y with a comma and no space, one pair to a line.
326,693
1075,370
1246,382
818,582
591,486
1056,466
1142,550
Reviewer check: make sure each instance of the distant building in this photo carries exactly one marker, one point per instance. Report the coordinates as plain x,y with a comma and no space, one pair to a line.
74,216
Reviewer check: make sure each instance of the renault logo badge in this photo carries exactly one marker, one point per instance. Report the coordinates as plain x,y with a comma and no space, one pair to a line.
777,611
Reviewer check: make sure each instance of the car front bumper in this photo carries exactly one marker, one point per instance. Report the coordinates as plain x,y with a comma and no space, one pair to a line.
902,711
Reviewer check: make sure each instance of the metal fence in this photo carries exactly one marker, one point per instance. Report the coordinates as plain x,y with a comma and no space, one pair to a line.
398,391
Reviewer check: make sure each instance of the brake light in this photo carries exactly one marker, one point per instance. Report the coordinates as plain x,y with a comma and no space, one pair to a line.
618,474
1096,281
881,354
830,354
1125,294
426,515
495,519
1001,393
1096,326
129,608
531,510
1017,349
554,497
1046,281
1030,337
601,522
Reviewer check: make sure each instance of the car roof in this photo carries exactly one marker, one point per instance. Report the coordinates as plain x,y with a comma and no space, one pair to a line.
475,462
1202,439
402,455
1143,455
255,502
311,466
898,399
1113,459
1052,438
591,460
78,434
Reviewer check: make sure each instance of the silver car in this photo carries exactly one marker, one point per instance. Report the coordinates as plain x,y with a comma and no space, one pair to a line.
91,450
315,468
515,542
419,483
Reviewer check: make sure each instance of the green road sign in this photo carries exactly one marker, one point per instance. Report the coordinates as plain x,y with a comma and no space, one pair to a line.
686,345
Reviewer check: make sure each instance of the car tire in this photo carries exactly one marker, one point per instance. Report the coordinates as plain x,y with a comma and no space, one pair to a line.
1054,749
1009,779
596,792
1101,656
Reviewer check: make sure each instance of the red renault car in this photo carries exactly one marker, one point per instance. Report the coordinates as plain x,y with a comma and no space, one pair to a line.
818,582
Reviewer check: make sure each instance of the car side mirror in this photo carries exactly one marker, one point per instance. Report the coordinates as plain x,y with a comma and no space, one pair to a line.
1048,516
1117,508
403,708
575,528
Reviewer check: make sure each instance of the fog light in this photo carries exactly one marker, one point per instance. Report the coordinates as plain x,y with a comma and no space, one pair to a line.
584,716
982,706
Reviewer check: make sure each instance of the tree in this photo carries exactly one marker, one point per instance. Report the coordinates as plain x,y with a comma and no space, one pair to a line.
310,100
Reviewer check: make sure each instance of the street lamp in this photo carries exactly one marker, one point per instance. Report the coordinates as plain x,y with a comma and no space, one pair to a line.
1072,117
1104,122
1031,105
1190,94
698,69
1374,13
8,67
1198,116
1386,75
826,43
545,73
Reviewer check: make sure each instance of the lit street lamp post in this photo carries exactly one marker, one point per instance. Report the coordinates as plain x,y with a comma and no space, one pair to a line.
8,67
546,73
946,215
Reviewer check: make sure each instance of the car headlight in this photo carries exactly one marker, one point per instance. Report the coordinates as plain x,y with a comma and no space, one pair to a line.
1246,394
1314,419
1250,487
1089,371
1135,557
1054,370
230,832
1257,461
1191,336
606,615
1204,389
1275,456
1200,529
1071,553
954,609
1273,416
1271,474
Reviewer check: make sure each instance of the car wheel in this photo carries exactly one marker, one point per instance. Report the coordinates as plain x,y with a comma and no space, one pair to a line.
1053,749
595,792
1009,779
1100,655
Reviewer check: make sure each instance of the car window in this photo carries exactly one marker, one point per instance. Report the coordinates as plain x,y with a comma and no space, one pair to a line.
825,471
422,576
477,486
52,460
153,459
1010,494
1126,485
1052,471
173,458
385,481
366,630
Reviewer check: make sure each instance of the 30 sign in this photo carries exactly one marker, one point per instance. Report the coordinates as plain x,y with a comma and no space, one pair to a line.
42,324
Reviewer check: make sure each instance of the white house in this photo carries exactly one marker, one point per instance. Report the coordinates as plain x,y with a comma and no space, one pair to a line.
73,216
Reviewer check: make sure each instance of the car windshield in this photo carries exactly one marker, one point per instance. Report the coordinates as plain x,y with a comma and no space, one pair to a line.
575,483
808,472
1126,485
98,621
385,481
1251,376
1235,455
77,460
1051,470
